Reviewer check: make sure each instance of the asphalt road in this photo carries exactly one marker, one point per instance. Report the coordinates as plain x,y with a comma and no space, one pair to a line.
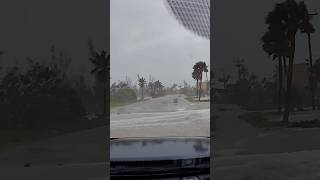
160,117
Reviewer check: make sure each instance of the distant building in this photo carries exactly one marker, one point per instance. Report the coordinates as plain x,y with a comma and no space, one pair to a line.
194,15
300,78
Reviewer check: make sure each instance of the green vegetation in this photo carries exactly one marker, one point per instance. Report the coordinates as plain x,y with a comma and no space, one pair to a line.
101,62
283,24
41,99
198,69
122,94
190,99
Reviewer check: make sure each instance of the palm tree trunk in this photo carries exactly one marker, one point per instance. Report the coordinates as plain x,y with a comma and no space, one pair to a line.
312,87
207,90
200,86
280,85
105,98
142,97
285,65
197,87
287,107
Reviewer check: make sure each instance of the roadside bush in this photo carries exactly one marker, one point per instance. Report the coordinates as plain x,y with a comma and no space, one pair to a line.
39,99
124,95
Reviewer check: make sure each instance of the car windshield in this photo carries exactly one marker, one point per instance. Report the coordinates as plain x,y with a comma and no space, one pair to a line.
159,84
159,69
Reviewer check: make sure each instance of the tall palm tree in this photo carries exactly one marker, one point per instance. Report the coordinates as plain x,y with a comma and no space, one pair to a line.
199,68
239,63
159,87
101,62
289,17
275,44
308,28
196,76
142,82
206,71
224,79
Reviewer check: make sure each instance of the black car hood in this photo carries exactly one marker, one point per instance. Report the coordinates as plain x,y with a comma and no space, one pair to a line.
164,148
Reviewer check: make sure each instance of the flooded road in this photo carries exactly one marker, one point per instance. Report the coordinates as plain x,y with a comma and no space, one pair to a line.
160,117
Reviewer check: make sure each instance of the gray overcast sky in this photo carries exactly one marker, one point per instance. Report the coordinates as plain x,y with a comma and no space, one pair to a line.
29,28
147,40
238,28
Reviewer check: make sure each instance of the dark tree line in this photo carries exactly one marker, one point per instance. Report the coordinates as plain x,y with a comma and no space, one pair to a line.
43,96
284,22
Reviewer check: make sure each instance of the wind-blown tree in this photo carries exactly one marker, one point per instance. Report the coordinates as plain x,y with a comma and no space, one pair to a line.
158,87
275,44
196,76
239,64
173,87
151,89
308,28
199,68
63,61
142,82
28,96
206,71
291,16
101,62
244,72
224,79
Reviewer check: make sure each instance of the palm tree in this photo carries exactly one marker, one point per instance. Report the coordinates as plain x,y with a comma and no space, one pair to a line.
275,44
196,76
206,71
158,86
308,28
199,68
239,64
243,72
142,82
289,17
101,62
224,79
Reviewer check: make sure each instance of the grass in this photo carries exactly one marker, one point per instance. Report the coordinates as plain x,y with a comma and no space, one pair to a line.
114,104
190,99
262,120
